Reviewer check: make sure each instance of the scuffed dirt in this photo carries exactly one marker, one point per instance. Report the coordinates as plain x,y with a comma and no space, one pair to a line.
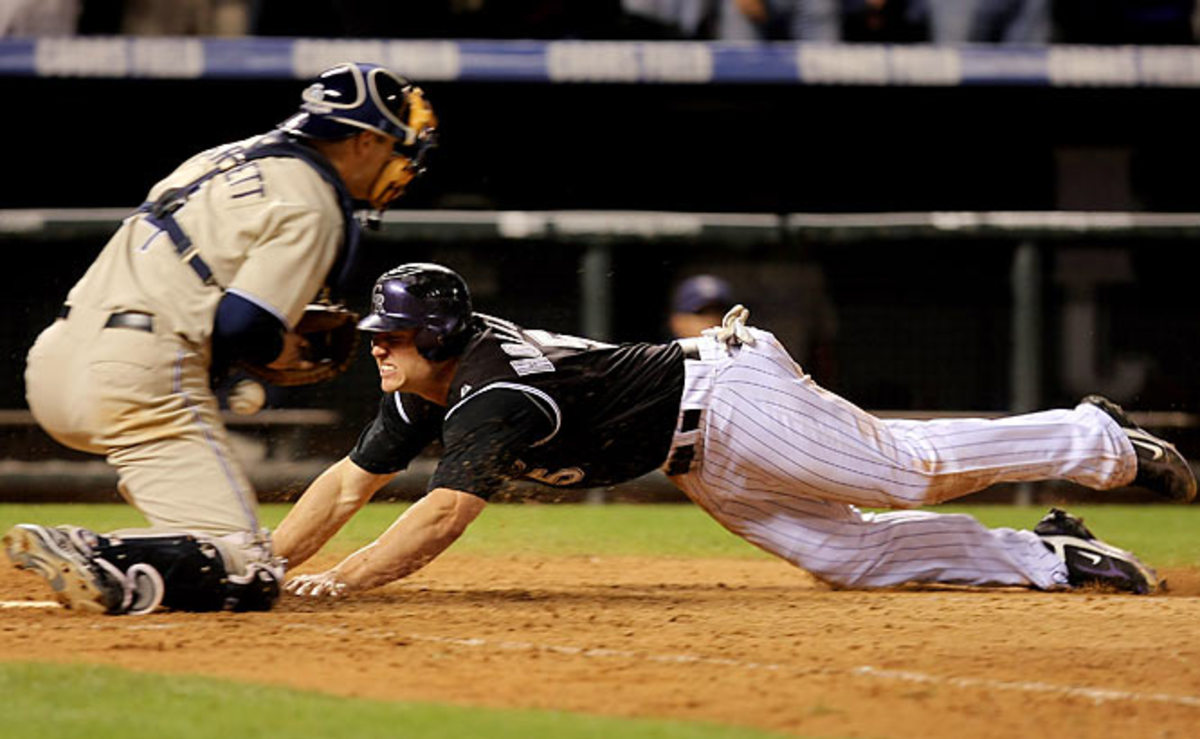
754,643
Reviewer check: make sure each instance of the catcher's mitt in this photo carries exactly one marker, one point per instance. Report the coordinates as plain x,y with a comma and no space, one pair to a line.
328,336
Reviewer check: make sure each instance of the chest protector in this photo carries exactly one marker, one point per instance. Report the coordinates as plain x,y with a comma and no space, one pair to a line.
160,212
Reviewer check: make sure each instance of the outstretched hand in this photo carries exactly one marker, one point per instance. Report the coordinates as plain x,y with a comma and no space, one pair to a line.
326,584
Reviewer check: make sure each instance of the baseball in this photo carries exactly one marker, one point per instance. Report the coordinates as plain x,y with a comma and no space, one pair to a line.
247,397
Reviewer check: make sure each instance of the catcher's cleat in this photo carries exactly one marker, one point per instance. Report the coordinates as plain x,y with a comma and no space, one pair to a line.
1160,466
80,580
1090,561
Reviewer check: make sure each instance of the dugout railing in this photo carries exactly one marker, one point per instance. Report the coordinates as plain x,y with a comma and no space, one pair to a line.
603,244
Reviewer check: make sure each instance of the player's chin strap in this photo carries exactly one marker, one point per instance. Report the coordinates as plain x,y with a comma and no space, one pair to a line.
732,331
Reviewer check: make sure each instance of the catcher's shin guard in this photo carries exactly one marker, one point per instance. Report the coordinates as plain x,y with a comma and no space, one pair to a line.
193,572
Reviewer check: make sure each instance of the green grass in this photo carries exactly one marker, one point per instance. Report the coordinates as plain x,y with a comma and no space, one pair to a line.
1164,535
56,701
63,701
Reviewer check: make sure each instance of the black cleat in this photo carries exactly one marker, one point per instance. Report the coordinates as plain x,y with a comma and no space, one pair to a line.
1090,561
1160,466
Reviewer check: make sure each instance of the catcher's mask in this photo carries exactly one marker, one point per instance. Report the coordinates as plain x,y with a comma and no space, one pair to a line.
427,297
351,98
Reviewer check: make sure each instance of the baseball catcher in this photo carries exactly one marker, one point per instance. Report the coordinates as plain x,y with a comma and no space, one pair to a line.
735,423
218,268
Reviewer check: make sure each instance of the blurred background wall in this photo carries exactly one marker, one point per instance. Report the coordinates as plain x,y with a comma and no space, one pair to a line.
903,319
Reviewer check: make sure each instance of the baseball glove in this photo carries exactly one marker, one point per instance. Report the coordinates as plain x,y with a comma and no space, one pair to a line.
325,339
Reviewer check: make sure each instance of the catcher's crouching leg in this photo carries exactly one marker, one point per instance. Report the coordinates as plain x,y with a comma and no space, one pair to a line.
195,575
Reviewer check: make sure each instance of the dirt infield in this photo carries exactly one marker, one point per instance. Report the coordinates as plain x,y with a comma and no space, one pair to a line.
752,642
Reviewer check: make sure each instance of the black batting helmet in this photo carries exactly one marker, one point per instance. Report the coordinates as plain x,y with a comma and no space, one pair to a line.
427,297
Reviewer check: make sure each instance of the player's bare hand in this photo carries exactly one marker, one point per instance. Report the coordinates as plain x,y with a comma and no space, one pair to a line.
326,584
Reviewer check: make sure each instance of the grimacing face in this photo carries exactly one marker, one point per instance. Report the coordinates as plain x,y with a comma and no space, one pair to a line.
401,367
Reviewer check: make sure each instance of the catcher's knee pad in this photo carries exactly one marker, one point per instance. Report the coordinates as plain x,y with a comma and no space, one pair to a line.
193,572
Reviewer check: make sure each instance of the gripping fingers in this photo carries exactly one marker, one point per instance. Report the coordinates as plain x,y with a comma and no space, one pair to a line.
732,330
321,585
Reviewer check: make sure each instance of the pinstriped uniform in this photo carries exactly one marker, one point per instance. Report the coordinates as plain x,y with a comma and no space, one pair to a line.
785,464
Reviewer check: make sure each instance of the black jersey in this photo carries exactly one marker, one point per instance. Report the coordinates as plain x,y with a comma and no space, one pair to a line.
558,409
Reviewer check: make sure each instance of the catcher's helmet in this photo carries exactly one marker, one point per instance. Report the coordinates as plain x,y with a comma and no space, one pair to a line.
351,98
430,298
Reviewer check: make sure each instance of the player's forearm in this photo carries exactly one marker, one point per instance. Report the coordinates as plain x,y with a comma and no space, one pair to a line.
425,530
336,495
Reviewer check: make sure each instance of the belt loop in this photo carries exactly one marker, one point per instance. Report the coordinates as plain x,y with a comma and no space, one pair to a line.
680,460
685,442
64,311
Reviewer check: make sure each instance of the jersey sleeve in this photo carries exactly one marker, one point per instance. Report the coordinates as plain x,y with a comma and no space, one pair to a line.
404,425
301,233
485,436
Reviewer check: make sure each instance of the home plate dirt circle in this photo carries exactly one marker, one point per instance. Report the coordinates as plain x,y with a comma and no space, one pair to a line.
747,642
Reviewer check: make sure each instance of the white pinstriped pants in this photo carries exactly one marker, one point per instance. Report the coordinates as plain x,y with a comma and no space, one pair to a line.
784,464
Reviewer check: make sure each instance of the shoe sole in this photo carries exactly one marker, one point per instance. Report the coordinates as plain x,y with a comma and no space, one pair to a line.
1138,434
73,584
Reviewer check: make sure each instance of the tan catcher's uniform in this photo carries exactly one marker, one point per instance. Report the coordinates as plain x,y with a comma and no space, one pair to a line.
125,371
216,267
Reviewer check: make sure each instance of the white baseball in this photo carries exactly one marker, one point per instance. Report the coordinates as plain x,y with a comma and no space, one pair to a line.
247,397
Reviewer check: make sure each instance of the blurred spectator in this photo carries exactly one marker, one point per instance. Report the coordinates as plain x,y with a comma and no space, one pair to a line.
39,17
1124,21
791,299
766,20
498,19
811,322
883,21
540,19
668,18
699,302
101,17
185,17
353,19
855,21
988,21
316,18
